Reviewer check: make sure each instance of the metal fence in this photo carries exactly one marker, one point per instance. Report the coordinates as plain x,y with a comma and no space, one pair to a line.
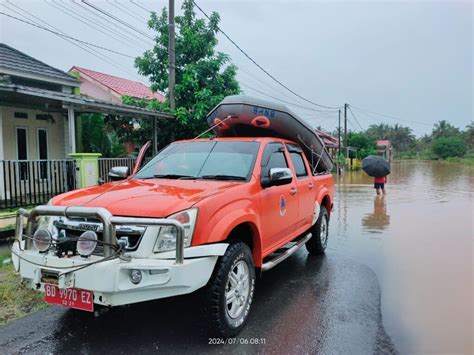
105,164
33,182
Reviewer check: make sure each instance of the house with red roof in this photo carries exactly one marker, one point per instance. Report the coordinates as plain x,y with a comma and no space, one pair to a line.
330,142
111,88
41,126
384,149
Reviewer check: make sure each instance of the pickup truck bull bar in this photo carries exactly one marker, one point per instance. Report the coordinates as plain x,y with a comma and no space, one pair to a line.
108,220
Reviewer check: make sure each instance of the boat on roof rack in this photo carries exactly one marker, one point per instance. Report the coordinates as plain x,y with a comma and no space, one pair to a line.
246,116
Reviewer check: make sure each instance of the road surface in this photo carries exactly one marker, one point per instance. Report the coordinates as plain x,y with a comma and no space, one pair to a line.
327,304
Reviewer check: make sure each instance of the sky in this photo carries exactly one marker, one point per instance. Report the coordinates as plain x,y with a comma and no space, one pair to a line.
407,62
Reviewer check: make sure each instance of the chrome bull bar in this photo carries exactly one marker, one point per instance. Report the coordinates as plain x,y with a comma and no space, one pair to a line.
109,223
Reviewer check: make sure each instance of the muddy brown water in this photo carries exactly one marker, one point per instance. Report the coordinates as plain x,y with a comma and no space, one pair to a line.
419,241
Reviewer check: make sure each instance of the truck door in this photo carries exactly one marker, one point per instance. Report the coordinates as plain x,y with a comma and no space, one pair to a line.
305,186
279,203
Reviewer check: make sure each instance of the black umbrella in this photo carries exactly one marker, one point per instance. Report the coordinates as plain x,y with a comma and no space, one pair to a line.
376,166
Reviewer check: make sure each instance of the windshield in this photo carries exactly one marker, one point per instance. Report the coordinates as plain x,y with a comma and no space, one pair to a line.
213,160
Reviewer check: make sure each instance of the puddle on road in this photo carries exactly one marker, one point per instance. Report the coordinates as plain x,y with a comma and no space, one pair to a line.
419,241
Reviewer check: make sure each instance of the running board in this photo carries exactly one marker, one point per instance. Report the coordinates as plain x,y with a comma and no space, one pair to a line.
278,259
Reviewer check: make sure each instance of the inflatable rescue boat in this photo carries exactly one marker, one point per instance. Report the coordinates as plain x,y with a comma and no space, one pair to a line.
245,116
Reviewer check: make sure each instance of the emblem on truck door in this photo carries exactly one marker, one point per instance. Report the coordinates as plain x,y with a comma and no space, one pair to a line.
282,205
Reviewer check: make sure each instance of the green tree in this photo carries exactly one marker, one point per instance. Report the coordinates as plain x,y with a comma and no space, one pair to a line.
137,131
444,129
469,135
444,147
203,75
96,138
364,144
379,131
402,138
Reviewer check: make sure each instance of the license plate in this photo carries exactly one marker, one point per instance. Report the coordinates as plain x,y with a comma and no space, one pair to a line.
69,297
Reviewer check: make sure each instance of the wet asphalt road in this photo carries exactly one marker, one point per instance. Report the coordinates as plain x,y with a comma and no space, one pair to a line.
326,304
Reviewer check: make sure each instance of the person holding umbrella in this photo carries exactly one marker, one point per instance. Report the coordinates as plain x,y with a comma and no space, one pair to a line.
378,168
379,184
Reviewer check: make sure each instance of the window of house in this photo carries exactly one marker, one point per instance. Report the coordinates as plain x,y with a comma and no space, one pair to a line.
22,151
43,151
44,117
22,115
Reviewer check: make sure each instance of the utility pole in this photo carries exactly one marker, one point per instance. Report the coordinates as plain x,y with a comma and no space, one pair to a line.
172,61
339,143
345,130
339,132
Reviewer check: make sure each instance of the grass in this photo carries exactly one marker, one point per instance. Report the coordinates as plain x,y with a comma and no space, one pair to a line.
9,227
16,300
466,160
7,212
463,161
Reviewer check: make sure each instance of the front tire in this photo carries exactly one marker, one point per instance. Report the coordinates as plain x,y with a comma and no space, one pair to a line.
229,292
320,231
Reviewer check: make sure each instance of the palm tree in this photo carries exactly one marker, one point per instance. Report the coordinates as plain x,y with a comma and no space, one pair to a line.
469,135
444,129
379,131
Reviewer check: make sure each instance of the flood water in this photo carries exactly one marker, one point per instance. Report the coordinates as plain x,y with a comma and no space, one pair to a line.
418,239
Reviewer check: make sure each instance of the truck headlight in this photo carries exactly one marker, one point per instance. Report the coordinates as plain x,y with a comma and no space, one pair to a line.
86,243
42,240
45,233
167,235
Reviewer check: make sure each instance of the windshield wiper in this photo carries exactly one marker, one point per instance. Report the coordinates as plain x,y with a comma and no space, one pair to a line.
173,176
223,177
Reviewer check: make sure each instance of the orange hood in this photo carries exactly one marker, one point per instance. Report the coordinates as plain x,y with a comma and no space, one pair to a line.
144,198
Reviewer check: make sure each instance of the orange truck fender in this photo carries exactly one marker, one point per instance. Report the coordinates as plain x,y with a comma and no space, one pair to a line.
223,229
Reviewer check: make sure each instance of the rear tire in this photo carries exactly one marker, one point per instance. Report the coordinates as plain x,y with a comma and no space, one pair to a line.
320,231
229,292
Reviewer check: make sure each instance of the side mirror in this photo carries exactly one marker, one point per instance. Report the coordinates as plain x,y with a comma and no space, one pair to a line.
119,173
278,177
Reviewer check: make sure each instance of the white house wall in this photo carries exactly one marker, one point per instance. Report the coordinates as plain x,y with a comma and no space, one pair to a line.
1,134
92,88
55,133
2,173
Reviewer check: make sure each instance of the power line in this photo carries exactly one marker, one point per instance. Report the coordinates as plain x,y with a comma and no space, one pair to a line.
140,6
252,77
66,36
349,107
323,114
83,19
128,11
124,23
110,30
283,101
352,124
389,116
81,46
259,66
129,36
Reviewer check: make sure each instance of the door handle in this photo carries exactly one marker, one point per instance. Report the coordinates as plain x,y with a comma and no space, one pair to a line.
293,190
311,185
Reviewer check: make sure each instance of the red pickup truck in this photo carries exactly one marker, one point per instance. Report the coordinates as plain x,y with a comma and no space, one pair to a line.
206,214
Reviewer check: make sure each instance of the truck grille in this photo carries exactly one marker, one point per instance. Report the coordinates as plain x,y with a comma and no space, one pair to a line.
72,228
